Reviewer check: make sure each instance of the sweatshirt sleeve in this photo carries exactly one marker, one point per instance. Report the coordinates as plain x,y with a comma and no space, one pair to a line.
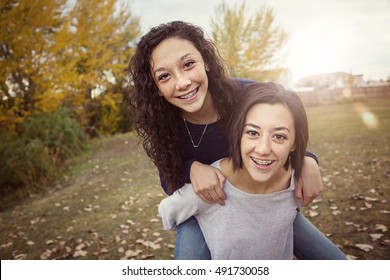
178,207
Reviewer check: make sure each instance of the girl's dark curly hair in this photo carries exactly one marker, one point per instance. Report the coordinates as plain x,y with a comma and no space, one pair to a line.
156,120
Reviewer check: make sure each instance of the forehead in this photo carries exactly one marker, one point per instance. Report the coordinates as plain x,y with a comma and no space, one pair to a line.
173,49
273,115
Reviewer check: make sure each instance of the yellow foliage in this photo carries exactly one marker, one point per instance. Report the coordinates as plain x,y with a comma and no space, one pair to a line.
64,54
248,44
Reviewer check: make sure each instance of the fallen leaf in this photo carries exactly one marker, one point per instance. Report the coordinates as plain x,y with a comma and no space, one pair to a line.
368,205
375,236
80,253
364,247
131,253
381,227
46,255
362,229
20,257
6,245
313,213
371,199
80,247
34,221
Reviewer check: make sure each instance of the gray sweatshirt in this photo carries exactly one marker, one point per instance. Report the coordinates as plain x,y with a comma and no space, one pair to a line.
248,226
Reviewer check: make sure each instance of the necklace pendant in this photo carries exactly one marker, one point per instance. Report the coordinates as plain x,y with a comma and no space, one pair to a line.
189,134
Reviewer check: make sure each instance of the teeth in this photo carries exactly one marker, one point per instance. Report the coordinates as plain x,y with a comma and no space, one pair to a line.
191,94
262,162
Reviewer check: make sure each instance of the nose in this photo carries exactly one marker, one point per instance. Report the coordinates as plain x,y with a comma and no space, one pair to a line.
263,146
182,82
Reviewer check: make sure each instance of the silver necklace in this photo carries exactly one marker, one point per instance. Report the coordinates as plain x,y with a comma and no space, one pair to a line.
189,134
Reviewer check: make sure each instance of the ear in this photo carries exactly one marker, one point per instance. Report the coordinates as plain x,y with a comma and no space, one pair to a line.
293,148
159,93
207,68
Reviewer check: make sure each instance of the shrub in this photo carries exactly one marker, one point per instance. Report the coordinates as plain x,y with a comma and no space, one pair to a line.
60,133
32,158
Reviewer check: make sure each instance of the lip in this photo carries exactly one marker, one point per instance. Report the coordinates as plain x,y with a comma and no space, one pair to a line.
189,96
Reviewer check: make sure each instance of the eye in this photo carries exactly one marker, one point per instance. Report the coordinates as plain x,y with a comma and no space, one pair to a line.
252,133
189,64
280,137
163,77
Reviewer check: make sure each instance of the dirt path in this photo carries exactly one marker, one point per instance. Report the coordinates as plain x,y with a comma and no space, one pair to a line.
105,208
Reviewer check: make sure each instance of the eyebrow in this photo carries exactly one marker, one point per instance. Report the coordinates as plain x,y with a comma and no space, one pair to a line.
278,128
181,59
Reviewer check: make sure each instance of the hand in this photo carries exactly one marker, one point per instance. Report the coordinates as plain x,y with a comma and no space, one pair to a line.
207,183
310,185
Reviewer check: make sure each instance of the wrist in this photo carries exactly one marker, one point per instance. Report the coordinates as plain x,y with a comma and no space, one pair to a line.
313,156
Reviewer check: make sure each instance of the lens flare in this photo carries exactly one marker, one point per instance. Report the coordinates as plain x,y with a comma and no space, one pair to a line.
368,118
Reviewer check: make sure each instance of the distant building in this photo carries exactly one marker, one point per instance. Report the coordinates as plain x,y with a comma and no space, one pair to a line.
332,81
285,78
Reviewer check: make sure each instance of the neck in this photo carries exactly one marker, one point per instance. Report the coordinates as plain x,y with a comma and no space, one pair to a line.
242,180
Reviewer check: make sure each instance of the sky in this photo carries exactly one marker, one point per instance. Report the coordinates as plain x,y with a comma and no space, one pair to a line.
325,36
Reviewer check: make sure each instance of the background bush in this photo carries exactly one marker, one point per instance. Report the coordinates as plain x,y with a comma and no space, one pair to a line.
32,158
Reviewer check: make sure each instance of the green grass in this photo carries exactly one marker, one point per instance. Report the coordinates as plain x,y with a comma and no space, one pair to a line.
106,205
355,164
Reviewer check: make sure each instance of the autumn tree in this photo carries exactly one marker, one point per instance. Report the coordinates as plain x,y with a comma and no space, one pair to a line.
26,31
53,54
249,44
91,54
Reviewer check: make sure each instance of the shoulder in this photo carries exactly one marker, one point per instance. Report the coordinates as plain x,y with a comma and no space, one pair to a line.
243,83
216,164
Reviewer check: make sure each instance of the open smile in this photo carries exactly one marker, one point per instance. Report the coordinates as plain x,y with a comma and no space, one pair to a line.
262,163
189,95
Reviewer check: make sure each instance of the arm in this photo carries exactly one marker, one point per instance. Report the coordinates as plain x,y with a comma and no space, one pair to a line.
207,183
310,184
178,207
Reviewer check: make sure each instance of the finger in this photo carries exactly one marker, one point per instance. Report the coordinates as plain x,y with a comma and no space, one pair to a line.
219,187
299,191
215,197
205,198
307,200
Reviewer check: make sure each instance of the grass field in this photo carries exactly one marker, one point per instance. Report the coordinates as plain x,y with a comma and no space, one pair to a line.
106,205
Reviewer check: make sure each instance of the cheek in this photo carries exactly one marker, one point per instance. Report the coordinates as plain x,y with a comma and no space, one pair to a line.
200,74
245,147
284,152
164,90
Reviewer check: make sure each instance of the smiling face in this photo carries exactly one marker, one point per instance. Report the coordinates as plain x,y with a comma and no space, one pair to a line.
180,74
267,140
